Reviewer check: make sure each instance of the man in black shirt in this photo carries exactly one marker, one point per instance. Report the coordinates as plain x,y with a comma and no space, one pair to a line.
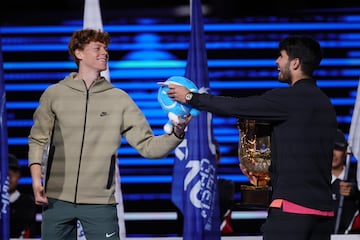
302,139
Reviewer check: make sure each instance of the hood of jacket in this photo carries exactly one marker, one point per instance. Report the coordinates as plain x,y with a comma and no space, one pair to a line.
100,84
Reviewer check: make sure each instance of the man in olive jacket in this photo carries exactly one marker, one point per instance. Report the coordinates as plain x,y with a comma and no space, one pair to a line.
84,117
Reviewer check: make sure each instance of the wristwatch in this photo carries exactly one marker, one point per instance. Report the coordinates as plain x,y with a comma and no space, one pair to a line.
188,96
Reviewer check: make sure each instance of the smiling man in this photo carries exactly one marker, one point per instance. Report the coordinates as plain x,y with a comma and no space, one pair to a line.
84,117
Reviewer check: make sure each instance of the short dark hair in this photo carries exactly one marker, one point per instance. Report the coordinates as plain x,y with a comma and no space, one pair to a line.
13,162
306,49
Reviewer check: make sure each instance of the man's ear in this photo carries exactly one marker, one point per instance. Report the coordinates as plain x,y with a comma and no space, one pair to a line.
78,54
295,63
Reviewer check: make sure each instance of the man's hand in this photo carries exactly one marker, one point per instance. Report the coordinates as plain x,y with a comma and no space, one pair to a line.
38,188
180,125
250,175
39,194
345,188
177,92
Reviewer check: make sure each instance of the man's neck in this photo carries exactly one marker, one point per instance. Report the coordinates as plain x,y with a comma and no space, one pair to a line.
88,78
336,171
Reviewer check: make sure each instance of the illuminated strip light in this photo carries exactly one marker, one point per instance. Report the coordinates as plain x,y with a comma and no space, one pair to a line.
152,120
33,105
353,54
229,136
155,105
350,18
353,94
145,162
344,119
126,162
161,74
172,64
23,162
129,162
239,84
38,65
173,216
16,141
173,46
150,216
142,104
19,123
342,101
21,105
223,27
239,215
26,87
153,179
349,36
35,47
225,45
123,151
19,141
57,42
126,64
276,84
35,76
148,196
222,130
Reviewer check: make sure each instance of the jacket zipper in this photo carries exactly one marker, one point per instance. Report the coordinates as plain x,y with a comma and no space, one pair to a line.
82,144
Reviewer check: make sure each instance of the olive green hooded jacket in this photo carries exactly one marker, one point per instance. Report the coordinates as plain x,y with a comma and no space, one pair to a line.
87,128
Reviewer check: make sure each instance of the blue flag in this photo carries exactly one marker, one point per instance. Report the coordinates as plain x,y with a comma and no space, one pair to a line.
4,181
195,188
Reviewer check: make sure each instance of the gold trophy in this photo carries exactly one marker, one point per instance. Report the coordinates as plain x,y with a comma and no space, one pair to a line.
255,155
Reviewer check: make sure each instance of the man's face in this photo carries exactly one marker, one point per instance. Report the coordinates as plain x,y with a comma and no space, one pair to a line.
338,158
14,177
94,56
283,64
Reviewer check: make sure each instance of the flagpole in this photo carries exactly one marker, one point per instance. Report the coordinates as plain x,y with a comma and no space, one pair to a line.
341,200
4,180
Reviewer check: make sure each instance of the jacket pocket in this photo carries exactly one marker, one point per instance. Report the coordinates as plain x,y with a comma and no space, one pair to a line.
111,172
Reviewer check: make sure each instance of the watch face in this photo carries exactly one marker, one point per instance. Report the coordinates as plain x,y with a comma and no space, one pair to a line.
188,96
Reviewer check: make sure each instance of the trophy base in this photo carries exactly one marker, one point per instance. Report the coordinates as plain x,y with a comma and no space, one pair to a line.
255,196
